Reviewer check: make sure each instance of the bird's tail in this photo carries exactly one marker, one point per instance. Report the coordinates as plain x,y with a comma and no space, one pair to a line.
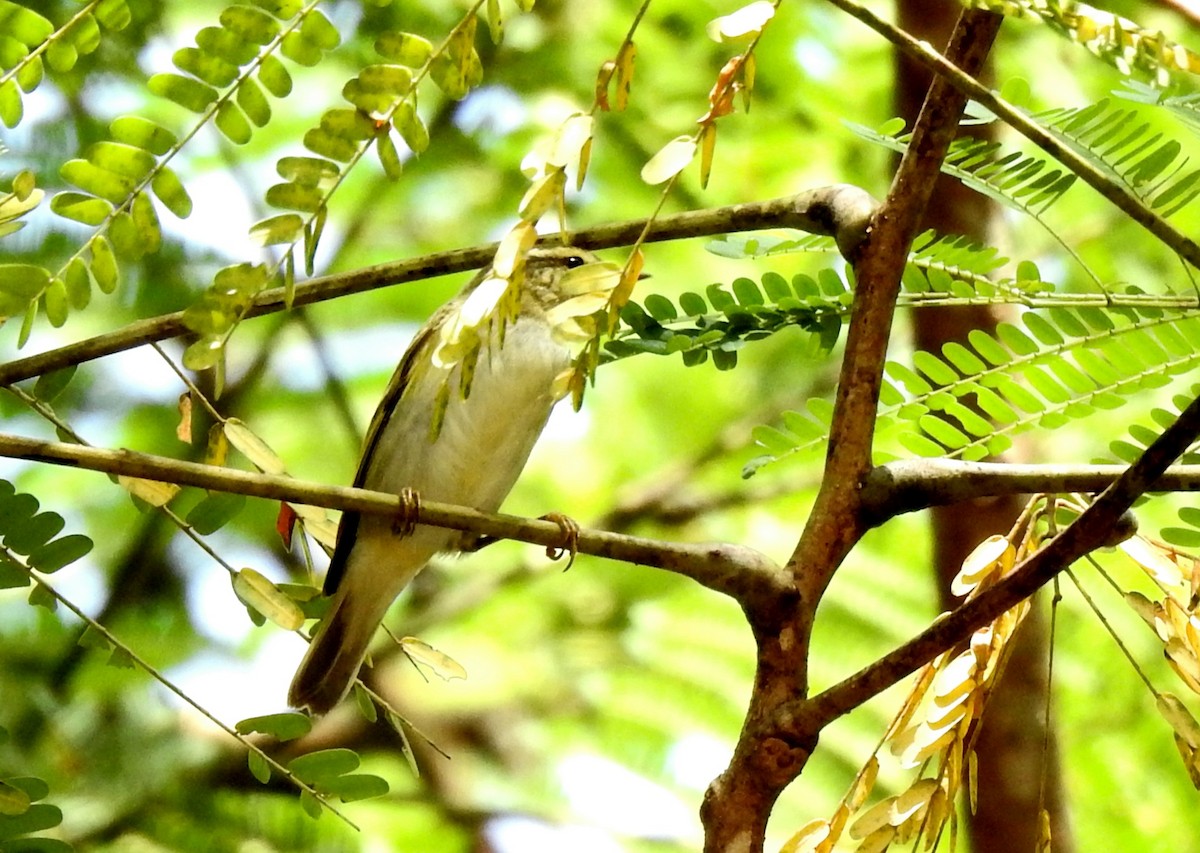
337,651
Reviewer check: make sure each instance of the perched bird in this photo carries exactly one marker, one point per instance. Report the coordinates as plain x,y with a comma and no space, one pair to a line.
472,456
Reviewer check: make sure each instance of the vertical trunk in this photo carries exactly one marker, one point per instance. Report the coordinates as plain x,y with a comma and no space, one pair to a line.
1010,749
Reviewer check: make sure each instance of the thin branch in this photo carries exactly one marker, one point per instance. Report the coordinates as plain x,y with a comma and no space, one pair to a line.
915,484
734,570
840,211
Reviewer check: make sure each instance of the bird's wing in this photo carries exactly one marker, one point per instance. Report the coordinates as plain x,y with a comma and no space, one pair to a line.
348,526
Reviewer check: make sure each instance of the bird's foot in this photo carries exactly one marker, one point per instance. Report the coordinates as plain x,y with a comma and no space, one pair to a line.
570,540
405,521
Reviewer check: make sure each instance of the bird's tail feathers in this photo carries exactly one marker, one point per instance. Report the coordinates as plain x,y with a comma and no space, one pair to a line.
336,652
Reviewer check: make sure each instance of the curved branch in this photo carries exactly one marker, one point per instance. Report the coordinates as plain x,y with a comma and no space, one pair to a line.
840,211
742,573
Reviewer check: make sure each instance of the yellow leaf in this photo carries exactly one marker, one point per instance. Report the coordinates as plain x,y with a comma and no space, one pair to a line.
873,819
807,837
317,523
992,554
217,449
912,801
510,255
626,58
542,195
573,134
256,591
442,665
708,143
1158,565
863,784
1180,718
253,447
670,160
746,21
151,491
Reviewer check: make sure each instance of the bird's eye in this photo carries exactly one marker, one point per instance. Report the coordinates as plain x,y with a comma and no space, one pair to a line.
574,261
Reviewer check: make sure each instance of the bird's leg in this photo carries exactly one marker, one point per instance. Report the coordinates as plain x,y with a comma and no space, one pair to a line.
410,509
570,540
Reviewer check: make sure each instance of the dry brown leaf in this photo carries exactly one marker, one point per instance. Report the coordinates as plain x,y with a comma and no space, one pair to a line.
873,819
912,801
253,447
670,160
877,841
807,838
1155,561
441,664
183,429
992,555
861,789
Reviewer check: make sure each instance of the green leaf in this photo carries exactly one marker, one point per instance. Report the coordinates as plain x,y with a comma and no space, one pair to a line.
37,817
12,574
325,764
78,280
934,368
54,302
226,44
306,171
232,122
283,229
49,385
189,93
405,48
20,284
284,727
104,264
169,190
214,511
348,124
260,769
60,552
355,786
113,14
204,353
412,129
13,800
34,532
146,225
252,100
389,159
98,181
317,30
321,141
11,107
274,75
298,49
294,197
253,25
81,208
261,595
212,69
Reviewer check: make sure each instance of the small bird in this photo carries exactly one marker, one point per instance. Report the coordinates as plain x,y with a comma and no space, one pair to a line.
472,457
